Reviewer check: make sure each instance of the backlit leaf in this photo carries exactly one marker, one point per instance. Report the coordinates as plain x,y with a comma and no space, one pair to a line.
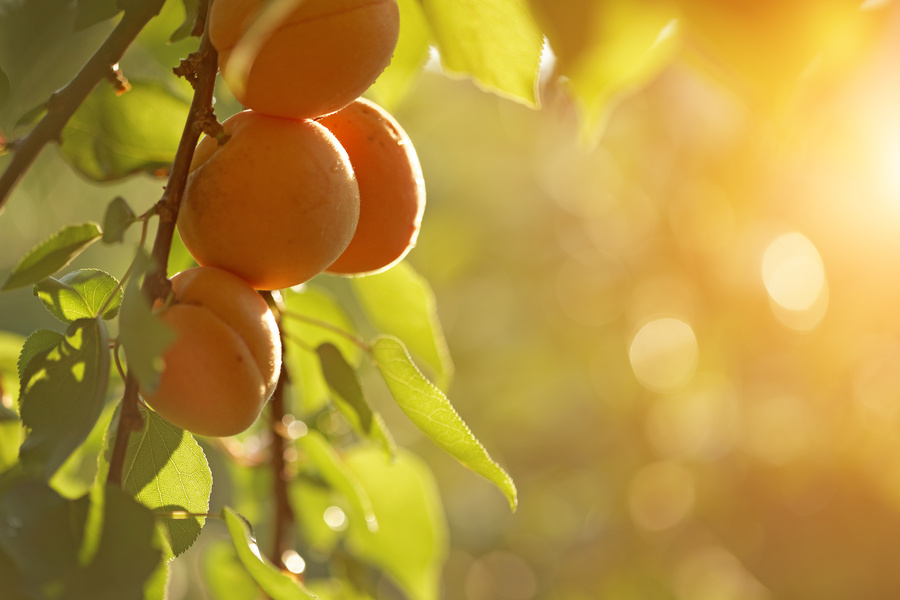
116,219
349,397
333,470
80,295
276,584
400,302
10,348
190,15
166,470
311,317
411,542
52,254
62,396
111,136
409,55
224,574
430,410
494,41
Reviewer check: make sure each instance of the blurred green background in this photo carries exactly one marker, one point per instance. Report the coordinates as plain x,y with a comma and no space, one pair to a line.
682,342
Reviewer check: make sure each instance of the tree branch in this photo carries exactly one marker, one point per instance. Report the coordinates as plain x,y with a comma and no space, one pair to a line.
200,69
63,104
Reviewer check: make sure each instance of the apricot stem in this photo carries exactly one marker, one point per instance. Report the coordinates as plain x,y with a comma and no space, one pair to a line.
63,104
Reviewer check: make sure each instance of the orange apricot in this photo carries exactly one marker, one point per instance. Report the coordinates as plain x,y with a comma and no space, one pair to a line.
322,56
275,204
225,360
391,187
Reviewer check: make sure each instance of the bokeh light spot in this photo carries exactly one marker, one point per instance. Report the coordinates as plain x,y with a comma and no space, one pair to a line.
793,272
293,562
664,355
335,518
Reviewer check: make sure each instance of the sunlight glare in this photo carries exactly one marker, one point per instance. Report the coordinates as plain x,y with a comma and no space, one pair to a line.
664,355
793,272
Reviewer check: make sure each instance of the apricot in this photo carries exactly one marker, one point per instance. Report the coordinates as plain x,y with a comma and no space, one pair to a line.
322,56
391,187
275,204
226,358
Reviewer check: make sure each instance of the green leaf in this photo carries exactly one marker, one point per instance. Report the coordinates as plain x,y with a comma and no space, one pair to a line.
38,342
4,94
273,582
494,41
91,12
143,336
350,400
606,49
400,302
52,254
190,15
44,539
112,136
411,542
116,220
10,347
80,295
224,575
333,470
304,309
166,471
63,391
430,410
310,497
409,55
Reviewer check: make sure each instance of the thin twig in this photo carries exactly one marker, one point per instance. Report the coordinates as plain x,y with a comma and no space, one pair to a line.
156,285
63,104
326,325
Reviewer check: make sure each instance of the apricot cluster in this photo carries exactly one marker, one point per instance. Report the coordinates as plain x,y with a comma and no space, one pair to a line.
310,178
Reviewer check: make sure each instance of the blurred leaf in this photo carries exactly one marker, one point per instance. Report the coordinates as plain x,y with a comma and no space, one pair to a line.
4,92
52,254
224,574
80,295
10,349
333,470
143,336
430,410
112,136
411,542
302,334
310,497
494,41
156,585
276,584
166,470
91,12
337,589
607,48
400,302
191,9
409,55
63,391
116,220
350,400
42,535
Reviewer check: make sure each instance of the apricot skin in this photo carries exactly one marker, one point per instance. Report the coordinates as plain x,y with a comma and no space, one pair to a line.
275,205
391,187
225,360
321,57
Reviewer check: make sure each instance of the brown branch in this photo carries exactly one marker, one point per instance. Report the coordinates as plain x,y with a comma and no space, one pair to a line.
284,514
63,104
201,72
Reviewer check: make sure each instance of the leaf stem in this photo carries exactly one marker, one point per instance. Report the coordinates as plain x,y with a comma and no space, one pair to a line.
63,104
129,270
325,325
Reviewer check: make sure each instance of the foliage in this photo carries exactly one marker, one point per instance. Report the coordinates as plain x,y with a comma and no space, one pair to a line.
340,490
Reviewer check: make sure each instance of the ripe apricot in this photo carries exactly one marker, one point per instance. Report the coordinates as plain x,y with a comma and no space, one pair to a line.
391,187
322,56
275,204
225,360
